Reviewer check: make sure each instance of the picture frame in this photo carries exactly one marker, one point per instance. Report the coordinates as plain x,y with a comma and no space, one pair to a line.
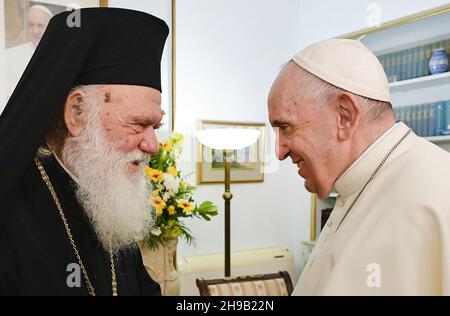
22,26
247,164
163,9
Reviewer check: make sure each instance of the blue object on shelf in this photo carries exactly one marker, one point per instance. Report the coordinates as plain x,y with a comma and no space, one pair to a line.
446,127
439,118
438,62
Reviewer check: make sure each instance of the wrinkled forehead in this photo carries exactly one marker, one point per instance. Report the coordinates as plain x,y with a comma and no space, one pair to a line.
121,92
284,89
129,100
287,100
129,95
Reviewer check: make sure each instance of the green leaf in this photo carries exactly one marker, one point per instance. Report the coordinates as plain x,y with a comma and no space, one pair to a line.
153,242
186,234
208,208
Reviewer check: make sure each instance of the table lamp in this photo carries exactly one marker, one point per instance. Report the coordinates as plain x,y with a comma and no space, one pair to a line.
227,140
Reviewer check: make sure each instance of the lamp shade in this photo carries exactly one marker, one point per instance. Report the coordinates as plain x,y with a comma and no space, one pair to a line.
227,138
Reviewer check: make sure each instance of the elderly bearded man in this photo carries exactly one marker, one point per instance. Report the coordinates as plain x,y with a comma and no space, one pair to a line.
74,141
389,232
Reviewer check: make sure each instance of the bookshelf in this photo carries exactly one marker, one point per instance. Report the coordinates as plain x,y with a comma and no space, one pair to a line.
420,83
422,29
439,139
420,99
404,48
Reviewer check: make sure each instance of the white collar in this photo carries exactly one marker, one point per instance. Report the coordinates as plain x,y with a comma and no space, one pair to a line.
359,172
65,168
378,140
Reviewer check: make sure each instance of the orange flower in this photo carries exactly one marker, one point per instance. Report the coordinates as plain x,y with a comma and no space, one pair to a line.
186,206
158,203
153,174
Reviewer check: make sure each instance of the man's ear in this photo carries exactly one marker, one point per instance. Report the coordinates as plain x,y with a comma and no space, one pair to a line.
349,115
75,112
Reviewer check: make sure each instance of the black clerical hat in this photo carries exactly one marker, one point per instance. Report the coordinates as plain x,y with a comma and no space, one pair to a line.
103,46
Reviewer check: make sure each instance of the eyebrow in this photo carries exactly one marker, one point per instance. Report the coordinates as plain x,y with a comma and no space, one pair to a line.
144,120
276,123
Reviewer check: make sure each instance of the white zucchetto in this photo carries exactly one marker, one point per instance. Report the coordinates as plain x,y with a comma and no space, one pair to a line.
346,64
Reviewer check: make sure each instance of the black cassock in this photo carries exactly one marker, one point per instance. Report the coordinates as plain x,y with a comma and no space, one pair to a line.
35,252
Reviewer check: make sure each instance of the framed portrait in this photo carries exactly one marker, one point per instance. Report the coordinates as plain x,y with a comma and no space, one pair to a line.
247,164
23,23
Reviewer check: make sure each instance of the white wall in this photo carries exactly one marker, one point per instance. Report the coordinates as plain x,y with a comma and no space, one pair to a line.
228,54
321,19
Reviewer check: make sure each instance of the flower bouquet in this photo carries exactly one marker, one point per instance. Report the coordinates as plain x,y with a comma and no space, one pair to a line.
171,197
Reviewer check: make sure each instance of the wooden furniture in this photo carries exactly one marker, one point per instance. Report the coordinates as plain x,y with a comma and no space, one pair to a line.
275,284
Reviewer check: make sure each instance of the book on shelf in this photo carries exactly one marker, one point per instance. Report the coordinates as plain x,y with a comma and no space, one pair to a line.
430,130
446,129
430,119
412,62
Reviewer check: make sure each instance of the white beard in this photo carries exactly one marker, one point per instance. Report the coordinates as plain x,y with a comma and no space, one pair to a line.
115,200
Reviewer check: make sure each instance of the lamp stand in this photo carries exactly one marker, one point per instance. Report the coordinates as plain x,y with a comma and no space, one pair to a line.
227,196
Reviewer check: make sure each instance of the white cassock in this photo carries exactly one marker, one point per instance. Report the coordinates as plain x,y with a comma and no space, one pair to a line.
396,239
17,59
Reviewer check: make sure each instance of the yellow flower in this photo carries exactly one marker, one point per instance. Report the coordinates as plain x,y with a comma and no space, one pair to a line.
176,232
155,192
186,206
172,171
158,203
177,137
167,145
171,210
153,174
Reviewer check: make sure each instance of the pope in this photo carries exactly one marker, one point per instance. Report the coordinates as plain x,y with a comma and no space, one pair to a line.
389,231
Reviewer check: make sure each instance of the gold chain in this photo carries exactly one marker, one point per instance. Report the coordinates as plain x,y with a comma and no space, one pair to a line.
90,288
373,176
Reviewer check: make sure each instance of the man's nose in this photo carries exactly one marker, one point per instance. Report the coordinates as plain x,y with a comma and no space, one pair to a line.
149,142
282,152
280,148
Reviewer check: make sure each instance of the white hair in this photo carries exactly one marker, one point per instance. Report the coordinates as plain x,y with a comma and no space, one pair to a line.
42,8
115,200
57,133
312,86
